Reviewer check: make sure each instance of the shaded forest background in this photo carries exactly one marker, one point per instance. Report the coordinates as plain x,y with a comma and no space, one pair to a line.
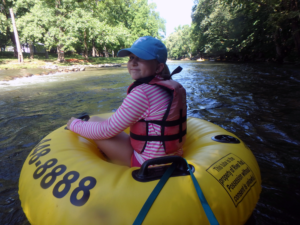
231,30
240,30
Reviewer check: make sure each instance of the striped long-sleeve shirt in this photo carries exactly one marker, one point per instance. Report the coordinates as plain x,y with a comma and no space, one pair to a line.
148,102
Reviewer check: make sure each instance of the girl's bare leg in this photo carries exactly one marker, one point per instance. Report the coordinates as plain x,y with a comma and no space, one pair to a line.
118,149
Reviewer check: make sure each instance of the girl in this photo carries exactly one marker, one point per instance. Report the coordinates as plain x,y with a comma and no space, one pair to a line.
154,109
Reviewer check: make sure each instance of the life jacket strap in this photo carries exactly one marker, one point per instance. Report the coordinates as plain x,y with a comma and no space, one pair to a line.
166,123
158,138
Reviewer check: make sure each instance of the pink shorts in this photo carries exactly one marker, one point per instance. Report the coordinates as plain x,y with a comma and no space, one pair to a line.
134,162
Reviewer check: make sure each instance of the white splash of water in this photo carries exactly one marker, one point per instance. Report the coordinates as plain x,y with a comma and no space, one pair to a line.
33,80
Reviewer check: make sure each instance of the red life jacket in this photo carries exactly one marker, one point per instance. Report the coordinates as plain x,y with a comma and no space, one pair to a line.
173,124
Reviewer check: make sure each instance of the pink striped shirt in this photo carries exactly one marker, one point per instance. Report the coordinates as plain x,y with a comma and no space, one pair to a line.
148,102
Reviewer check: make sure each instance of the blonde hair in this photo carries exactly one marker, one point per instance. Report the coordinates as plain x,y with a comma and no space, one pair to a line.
166,73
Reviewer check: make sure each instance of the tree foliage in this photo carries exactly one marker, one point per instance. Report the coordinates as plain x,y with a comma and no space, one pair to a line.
83,26
179,44
5,23
235,29
247,29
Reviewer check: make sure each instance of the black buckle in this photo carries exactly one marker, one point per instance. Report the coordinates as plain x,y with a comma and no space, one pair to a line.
145,174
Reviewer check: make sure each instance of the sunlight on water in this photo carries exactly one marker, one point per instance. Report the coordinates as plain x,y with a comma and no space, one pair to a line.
34,80
55,77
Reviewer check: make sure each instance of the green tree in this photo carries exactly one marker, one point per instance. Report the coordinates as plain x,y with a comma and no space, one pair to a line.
6,30
247,28
49,22
3,27
34,27
6,34
93,32
278,20
211,28
200,11
179,44
139,17
88,25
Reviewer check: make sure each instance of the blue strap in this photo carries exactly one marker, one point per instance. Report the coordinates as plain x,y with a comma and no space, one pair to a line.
146,207
209,213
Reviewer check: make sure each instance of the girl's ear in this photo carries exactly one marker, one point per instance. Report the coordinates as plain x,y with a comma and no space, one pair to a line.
160,67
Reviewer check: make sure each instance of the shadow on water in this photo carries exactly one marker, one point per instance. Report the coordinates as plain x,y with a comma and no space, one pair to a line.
259,103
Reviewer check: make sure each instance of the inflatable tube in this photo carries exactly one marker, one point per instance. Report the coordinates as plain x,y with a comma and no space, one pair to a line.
66,180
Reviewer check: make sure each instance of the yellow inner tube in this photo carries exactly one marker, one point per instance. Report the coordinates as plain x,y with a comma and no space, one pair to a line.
66,180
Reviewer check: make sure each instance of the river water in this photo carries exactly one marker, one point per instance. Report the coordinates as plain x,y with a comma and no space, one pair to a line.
257,102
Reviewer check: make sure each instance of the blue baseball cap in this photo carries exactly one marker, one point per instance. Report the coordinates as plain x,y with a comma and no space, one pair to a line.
147,48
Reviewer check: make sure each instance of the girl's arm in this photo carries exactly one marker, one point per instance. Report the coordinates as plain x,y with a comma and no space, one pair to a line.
134,107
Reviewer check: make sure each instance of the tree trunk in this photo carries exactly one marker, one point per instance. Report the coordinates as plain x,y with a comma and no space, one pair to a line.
85,52
12,38
100,52
46,54
11,35
60,53
31,47
296,29
15,52
105,52
113,53
279,47
295,24
94,50
17,41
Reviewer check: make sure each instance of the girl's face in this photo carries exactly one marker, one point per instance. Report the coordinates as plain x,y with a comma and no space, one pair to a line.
140,68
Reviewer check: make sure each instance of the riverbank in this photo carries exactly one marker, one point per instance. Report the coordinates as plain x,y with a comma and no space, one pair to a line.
49,69
52,66
8,63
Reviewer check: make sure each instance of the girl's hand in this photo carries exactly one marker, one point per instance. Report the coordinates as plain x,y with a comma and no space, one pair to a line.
70,121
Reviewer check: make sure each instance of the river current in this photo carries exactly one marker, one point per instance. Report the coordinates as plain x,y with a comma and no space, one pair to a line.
259,103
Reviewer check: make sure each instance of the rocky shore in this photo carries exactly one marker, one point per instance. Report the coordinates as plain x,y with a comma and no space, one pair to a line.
76,68
58,69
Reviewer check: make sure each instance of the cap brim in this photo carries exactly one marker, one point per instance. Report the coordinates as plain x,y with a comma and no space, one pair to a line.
138,52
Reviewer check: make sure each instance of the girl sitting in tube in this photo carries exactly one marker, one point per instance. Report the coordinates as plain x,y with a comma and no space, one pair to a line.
154,109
